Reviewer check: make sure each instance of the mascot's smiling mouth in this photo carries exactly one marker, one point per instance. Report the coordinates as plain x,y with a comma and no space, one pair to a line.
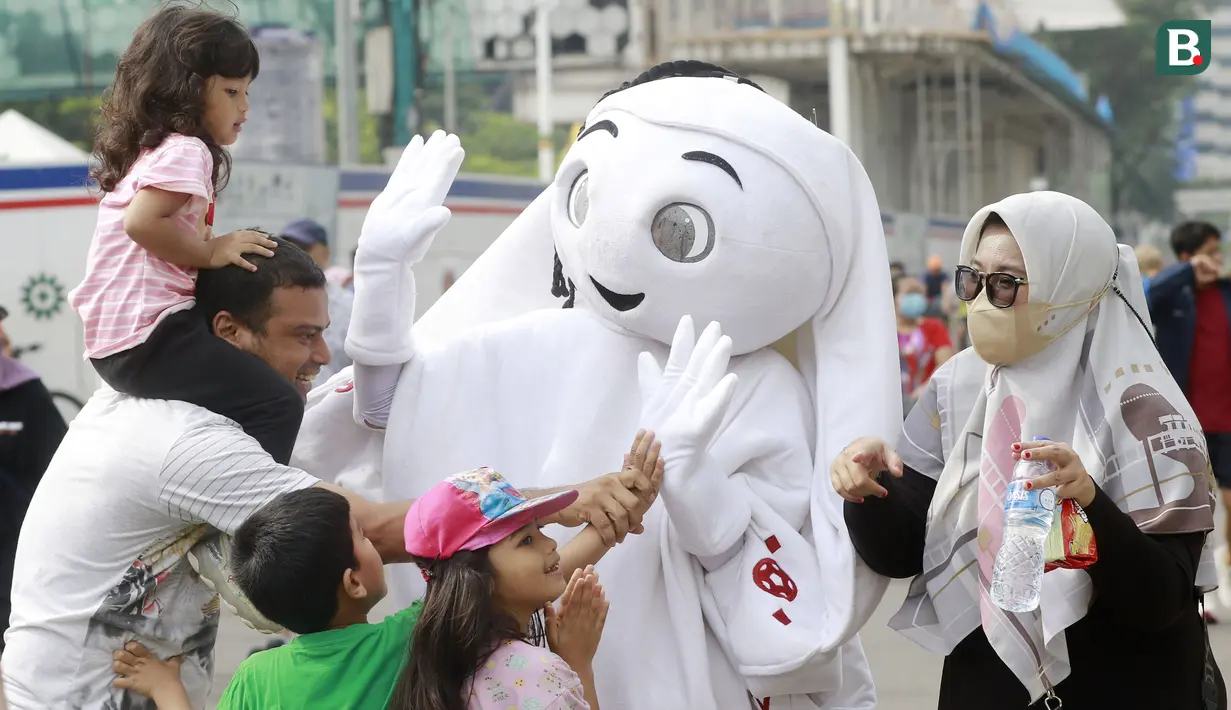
618,301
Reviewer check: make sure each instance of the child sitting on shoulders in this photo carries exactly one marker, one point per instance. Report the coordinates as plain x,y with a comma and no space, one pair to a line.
180,94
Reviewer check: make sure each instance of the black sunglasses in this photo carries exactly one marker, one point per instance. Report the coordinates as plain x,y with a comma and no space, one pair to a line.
1001,287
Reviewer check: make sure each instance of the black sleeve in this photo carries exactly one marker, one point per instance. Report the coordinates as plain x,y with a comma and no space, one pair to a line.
888,533
26,456
1167,284
184,360
1146,581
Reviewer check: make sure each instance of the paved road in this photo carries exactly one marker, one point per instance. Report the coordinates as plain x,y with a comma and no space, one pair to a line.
908,678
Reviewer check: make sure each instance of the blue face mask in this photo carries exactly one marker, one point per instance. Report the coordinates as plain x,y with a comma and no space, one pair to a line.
912,305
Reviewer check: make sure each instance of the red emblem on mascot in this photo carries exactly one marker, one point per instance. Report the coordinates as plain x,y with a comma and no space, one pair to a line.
772,579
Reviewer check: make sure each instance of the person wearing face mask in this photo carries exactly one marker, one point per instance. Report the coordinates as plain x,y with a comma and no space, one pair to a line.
1062,349
923,342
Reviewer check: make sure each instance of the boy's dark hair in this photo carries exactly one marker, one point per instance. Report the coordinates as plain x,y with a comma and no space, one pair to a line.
248,295
289,558
159,87
1188,237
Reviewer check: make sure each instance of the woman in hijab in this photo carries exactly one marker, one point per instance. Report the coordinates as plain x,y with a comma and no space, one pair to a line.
1062,349
30,431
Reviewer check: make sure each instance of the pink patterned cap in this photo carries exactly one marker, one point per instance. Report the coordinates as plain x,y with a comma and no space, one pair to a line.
472,510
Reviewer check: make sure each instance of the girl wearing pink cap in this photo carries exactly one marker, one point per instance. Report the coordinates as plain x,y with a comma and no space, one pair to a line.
490,570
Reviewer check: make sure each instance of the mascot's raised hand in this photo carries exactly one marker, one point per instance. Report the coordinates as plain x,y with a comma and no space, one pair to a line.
685,402
407,214
399,228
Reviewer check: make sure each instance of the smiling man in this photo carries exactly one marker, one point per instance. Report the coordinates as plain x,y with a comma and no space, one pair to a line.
137,483
139,488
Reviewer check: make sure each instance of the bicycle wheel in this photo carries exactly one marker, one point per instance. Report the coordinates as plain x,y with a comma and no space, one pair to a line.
67,404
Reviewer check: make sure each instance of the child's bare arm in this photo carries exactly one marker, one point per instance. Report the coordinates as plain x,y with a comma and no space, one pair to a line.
149,221
157,680
586,548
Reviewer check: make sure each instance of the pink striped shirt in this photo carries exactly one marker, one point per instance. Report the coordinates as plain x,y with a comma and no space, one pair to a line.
127,291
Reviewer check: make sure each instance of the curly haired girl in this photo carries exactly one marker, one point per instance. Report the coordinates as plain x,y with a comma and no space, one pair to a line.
180,95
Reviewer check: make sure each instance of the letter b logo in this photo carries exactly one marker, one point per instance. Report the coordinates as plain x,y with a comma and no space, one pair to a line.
1182,47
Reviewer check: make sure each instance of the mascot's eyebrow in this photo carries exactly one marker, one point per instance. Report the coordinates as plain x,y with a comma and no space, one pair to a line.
716,161
601,126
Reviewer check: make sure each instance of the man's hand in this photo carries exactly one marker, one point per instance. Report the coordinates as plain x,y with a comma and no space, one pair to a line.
1205,270
615,503
603,502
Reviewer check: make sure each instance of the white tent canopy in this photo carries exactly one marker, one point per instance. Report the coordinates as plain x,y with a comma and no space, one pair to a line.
24,142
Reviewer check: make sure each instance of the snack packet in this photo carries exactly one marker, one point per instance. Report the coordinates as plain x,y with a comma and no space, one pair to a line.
1070,543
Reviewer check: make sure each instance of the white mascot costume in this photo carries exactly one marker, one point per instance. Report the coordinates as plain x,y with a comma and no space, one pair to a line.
690,196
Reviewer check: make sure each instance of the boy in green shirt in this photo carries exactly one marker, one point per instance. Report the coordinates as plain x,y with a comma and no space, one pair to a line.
304,563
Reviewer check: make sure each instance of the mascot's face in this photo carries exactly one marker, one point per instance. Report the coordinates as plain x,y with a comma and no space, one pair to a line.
655,222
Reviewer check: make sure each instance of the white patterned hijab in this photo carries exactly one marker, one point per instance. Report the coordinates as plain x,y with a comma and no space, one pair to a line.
1100,386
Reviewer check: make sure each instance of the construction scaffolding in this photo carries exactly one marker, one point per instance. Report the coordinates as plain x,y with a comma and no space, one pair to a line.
948,105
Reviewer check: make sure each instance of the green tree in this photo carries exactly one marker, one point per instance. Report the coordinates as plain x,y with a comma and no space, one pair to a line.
498,144
472,99
495,142
369,130
1119,63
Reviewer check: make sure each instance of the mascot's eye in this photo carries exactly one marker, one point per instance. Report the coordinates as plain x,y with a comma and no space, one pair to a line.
579,199
683,232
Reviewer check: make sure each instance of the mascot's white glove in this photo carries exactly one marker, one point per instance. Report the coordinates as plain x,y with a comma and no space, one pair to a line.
397,231
684,404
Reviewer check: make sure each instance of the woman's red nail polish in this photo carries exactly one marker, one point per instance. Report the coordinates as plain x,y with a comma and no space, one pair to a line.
1027,454
860,500
1029,485
1017,447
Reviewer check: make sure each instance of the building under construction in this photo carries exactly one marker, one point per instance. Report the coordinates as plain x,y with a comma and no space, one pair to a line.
948,103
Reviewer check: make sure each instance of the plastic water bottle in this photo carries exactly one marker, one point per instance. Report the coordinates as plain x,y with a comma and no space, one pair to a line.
1017,578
